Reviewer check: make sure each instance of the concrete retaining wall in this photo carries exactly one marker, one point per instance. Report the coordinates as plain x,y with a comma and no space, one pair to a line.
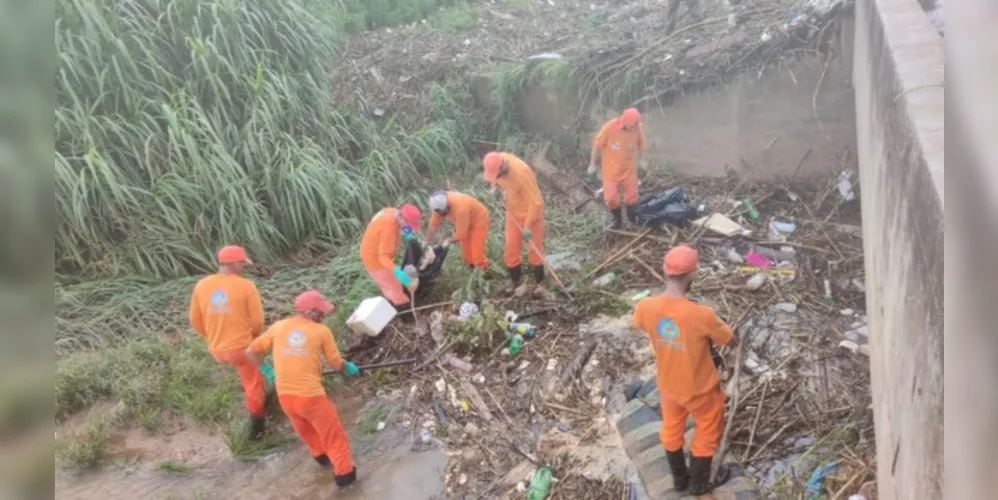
898,77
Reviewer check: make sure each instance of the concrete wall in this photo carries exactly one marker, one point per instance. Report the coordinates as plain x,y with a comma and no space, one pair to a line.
770,119
898,76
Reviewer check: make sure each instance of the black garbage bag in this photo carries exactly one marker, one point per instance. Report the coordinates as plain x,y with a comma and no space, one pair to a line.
668,207
414,254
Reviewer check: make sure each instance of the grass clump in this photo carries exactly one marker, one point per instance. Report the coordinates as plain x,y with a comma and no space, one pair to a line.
174,467
237,437
367,421
87,450
456,19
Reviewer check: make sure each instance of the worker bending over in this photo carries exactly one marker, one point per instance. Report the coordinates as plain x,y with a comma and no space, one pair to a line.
621,145
681,333
470,220
524,216
378,248
226,311
299,344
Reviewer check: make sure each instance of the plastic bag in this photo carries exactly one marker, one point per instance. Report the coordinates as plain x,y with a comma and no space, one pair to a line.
668,207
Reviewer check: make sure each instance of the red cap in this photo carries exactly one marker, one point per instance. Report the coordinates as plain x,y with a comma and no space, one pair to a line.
492,163
413,217
629,118
312,301
233,254
680,260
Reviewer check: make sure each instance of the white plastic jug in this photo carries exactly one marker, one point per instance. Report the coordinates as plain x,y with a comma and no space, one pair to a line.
371,316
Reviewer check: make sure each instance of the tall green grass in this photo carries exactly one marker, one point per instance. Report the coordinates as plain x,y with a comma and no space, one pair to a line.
185,124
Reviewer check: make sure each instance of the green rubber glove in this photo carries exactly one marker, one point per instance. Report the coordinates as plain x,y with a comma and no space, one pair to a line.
268,372
350,369
526,236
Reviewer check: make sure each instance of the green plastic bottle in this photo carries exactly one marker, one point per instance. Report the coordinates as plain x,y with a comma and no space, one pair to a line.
515,344
540,482
752,212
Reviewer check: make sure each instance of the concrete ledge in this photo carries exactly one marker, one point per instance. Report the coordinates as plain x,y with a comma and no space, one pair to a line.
898,76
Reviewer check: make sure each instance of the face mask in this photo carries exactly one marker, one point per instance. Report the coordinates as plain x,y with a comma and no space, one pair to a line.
407,233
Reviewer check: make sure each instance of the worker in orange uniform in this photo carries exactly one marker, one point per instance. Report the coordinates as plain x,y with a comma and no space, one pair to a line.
470,219
524,216
621,145
681,333
226,311
299,343
378,248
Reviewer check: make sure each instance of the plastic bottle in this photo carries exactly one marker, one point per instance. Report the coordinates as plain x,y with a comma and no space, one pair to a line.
525,329
752,212
540,482
515,344
828,291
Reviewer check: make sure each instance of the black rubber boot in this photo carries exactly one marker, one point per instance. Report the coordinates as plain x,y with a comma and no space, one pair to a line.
346,479
515,276
617,218
256,427
322,460
538,272
403,312
629,214
700,475
680,474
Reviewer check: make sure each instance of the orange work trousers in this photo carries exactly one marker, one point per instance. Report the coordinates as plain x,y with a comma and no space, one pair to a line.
611,193
514,241
473,245
249,375
708,416
389,285
317,423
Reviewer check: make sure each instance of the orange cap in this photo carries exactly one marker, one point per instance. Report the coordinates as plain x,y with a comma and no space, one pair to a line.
233,254
629,118
492,163
680,260
312,300
412,215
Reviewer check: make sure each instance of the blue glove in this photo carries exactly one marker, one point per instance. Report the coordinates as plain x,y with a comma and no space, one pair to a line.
526,235
402,276
350,369
268,372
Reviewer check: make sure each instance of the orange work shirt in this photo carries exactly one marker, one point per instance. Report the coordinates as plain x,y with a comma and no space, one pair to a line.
465,213
523,195
298,345
681,332
226,311
619,149
381,240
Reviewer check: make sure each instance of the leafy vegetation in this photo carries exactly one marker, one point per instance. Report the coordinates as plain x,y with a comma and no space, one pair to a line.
86,450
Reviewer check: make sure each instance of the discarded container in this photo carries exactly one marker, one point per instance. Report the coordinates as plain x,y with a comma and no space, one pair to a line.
371,316
758,260
525,329
752,212
468,310
640,295
787,307
782,227
845,186
460,364
425,436
782,255
515,344
540,482
733,256
756,281
828,291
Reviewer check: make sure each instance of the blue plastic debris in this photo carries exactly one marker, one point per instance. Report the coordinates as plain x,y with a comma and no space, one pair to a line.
817,480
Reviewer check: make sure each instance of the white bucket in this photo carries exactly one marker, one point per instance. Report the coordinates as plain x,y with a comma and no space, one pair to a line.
371,316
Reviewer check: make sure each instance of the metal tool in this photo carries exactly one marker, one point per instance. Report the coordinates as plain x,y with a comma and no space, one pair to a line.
387,364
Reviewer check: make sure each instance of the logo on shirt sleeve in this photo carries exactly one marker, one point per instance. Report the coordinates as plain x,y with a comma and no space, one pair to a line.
219,301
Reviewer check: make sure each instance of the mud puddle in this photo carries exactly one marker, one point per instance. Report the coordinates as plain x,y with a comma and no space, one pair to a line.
387,467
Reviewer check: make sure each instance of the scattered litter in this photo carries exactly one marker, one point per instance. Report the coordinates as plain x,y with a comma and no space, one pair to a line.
721,224
845,186
828,291
510,317
564,261
778,230
378,112
460,364
786,307
468,310
478,379
552,364
441,385
858,334
733,256
462,479
425,436
381,426
604,280
784,254
756,281
847,312
668,207
437,327
814,485
471,429
563,427
544,56
758,260
640,295
752,212
540,482
525,329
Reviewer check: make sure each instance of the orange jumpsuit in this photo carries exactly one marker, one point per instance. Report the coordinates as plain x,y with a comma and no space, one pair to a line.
681,332
619,149
377,253
524,208
470,219
226,311
299,344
